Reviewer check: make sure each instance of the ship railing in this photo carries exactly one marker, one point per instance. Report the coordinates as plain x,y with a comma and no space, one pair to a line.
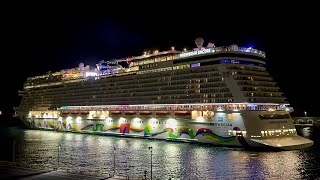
181,107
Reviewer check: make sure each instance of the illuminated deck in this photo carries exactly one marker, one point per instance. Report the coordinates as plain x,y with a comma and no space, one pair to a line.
186,107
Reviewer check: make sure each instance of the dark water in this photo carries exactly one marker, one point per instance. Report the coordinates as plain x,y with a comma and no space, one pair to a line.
92,154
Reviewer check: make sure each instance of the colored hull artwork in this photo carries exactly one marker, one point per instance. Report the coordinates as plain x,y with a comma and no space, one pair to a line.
125,128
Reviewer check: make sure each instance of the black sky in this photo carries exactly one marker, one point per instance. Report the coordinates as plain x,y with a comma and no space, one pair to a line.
37,41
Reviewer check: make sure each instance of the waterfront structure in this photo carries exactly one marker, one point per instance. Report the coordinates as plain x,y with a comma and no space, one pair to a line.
306,121
218,95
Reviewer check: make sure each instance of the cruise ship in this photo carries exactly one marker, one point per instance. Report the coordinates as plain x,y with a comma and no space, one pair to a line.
216,95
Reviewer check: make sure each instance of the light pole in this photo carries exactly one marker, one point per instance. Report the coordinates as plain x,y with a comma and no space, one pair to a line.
58,155
114,159
305,113
14,151
150,148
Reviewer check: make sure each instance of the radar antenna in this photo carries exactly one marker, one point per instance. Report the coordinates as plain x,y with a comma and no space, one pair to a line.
199,42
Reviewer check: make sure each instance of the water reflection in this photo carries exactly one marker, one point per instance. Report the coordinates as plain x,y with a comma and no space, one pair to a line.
306,131
171,160
100,154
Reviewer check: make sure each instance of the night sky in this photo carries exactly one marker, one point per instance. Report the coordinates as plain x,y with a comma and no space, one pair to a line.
35,42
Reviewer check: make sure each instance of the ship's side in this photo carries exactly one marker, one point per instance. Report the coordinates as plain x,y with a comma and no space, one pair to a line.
218,95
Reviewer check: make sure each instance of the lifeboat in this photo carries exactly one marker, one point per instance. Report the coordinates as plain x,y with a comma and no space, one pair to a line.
145,113
84,112
74,112
130,113
182,113
65,112
115,113
162,113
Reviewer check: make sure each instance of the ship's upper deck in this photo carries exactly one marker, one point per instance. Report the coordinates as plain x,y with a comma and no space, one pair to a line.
209,74
134,63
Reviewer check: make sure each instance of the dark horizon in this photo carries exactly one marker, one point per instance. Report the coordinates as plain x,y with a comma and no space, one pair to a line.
36,46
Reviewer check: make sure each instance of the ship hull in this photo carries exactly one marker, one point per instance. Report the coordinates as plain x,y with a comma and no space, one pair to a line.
223,133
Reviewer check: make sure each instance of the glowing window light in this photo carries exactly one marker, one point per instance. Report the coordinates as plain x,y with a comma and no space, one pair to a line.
78,120
122,120
200,118
108,119
244,133
88,73
49,115
69,118
153,121
136,120
171,123
60,119
102,116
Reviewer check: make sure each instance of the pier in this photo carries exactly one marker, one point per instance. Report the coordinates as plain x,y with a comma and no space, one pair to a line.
306,121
